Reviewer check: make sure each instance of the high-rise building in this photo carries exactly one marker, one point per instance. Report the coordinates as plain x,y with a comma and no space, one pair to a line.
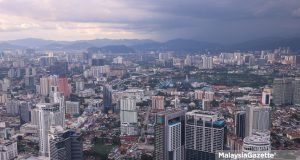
107,97
258,142
296,96
240,124
207,62
96,61
266,96
25,108
204,134
283,91
257,119
8,150
59,68
128,110
199,94
158,102
79,85
169,135
44,86
63,86
72,108
13,107
48,115
65,145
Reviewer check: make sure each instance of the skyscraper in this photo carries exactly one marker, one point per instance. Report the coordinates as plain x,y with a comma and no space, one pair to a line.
128,116
257,119
207,62
240,124
59,68
25,108
107,97
44,86
169,135
48,115
204,134
128,110
63,86
283,91
65,145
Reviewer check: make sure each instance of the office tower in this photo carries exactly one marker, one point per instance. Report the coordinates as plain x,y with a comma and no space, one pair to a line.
25,108
257,119
65,145
204,134
107,97
8,150
12,107
128,110
207,62
258,142
59,68
169,135
44,86
266,96
296,97
63,86
240,124
282,91
72,108
48,115
158,102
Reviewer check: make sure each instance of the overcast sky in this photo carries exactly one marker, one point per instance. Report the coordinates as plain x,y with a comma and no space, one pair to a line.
223,21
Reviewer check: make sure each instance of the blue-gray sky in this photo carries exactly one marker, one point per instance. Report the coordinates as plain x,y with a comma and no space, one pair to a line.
223,21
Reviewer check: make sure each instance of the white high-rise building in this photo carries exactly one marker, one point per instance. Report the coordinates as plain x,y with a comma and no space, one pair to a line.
128,110
48,115
44,86
204,134
257,119
207,62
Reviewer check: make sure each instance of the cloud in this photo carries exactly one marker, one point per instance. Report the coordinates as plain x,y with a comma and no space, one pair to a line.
211,20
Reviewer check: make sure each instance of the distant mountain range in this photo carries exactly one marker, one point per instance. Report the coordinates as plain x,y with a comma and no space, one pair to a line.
132,45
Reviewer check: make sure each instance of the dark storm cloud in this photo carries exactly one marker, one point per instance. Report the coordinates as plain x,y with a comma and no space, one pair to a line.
209,20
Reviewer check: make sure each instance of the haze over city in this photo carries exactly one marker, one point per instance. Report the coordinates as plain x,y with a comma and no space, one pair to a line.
149,79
